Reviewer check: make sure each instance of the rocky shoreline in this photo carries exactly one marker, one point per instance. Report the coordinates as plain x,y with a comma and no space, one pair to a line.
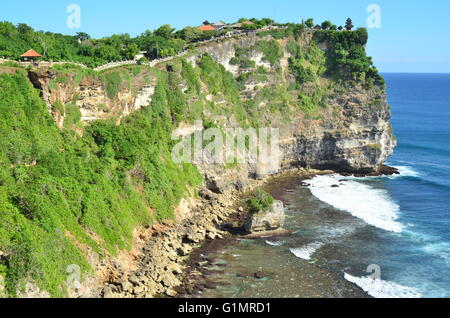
173,259
162,260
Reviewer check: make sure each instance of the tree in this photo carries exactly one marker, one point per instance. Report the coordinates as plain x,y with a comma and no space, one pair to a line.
40,38
349,24
131,51
206,22
326,25
24,29
249,26
7,29
267,21
165,31
310,23
82,36
189,34
108,53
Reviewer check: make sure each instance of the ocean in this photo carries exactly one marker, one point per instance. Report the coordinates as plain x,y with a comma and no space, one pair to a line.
388,235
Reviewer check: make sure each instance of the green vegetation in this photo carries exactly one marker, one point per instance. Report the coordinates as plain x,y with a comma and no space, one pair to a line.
272,51
218,79
306,63
347,59
191,76
292,29
72,115
259,201
113,81
57,187
309,101
309,23
17,39
58,107
376,147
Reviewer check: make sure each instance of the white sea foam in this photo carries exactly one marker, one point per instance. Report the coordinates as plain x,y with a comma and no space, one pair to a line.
406,171
374,206
306,252
383,289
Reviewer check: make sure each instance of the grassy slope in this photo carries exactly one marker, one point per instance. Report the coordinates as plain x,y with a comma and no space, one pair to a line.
53,183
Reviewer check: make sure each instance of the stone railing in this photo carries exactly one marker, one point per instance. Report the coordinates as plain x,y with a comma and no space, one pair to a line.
41,63
150,63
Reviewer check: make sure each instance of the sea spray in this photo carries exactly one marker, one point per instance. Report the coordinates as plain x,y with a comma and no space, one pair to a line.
374,206
383,289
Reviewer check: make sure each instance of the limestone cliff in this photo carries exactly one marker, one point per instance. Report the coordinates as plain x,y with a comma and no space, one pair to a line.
116,175
348,129
89,93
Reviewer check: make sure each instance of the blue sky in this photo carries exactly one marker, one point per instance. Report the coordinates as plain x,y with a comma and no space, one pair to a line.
414,35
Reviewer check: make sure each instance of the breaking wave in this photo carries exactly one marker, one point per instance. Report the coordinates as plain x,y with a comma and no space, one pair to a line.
374,206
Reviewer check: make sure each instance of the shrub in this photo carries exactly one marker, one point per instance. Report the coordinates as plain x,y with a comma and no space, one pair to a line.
190,75
271,49
259,201
72,115
112,83
347,58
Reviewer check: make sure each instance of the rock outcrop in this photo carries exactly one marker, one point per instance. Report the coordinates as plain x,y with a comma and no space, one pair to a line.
89,94
269,219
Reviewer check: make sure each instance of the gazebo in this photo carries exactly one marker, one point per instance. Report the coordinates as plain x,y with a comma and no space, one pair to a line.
31,55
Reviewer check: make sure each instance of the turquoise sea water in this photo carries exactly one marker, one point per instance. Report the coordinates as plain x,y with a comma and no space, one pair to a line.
409,240
394,229
421,120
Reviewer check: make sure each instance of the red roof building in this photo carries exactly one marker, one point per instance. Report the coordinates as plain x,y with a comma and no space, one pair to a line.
206,28
31,53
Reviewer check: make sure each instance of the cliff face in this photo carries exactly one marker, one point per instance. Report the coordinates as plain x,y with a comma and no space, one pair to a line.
87,190
349,131
89,93
356,139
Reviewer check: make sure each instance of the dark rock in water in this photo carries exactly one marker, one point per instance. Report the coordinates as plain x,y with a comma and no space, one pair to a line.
210,285
242,275
260,275
387,171
267,234
335,186
382,170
